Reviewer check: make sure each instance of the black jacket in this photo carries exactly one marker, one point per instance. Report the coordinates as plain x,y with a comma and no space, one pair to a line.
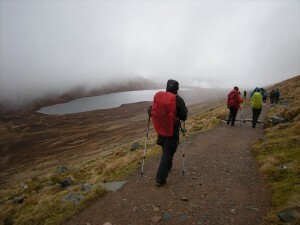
182,111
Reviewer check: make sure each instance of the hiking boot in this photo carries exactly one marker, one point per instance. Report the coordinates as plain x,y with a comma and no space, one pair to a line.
228,121
158,183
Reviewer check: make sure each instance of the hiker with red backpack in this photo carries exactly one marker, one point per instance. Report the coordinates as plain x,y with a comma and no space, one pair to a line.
233,104
167,110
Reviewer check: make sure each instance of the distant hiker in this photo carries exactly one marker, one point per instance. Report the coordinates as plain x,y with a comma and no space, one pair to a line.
252,92
167,110
233,104
245,94
256,102
274,96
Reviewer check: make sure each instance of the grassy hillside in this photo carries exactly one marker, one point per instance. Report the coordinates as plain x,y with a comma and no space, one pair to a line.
44,199
278,155
279,152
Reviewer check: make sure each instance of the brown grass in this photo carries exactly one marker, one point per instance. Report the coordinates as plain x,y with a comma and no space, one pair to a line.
43,196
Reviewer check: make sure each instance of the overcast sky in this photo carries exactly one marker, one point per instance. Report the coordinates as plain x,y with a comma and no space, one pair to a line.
53,45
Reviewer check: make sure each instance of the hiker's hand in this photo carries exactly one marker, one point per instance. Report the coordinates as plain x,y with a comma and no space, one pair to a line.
149,110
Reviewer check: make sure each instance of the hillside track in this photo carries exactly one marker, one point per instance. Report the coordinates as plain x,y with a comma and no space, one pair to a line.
221,185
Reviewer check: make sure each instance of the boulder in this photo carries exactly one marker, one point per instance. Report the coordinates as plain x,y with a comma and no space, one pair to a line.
135,146
66,182
289,215
61,169
18,200
87,187
73,197
277,120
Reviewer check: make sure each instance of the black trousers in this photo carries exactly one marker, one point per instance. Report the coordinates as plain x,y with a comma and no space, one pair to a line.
232,115
255,115
169,146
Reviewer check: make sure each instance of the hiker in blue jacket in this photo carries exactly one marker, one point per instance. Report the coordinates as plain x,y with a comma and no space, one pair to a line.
264,95
169,144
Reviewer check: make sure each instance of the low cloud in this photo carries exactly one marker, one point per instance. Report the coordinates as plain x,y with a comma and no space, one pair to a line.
53,46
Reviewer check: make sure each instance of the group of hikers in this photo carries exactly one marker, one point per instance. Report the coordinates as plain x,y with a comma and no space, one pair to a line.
168,110
258,97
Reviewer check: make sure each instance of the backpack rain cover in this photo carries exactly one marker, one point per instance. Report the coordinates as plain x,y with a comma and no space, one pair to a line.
232,101
164,113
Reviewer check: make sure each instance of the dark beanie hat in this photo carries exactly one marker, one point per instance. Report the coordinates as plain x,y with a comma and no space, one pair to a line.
172,86
236,88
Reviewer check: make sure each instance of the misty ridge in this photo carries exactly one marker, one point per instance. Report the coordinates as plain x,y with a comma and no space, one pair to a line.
32,103
29,104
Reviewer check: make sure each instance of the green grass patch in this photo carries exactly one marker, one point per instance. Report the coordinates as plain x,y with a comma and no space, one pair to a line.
279,153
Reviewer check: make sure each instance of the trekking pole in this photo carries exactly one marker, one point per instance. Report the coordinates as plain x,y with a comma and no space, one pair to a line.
241,117
183,155
144,156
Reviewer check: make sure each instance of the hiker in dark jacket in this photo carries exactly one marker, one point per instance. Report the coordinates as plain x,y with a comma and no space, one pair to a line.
233,103
274,96
169,144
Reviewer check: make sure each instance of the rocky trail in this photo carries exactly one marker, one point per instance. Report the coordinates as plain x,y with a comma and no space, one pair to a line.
221,185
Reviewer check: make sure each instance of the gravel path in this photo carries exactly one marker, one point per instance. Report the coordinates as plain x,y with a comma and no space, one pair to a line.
222,185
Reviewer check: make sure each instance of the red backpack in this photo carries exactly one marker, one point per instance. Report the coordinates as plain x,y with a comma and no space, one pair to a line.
232,101
163,113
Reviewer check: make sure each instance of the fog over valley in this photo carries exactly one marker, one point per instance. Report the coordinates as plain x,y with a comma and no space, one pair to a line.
51,47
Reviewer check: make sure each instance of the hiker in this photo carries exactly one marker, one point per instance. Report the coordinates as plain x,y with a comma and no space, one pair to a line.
168,136
245,94
276,95
233,103
252,92
264,95
272,96
256,102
